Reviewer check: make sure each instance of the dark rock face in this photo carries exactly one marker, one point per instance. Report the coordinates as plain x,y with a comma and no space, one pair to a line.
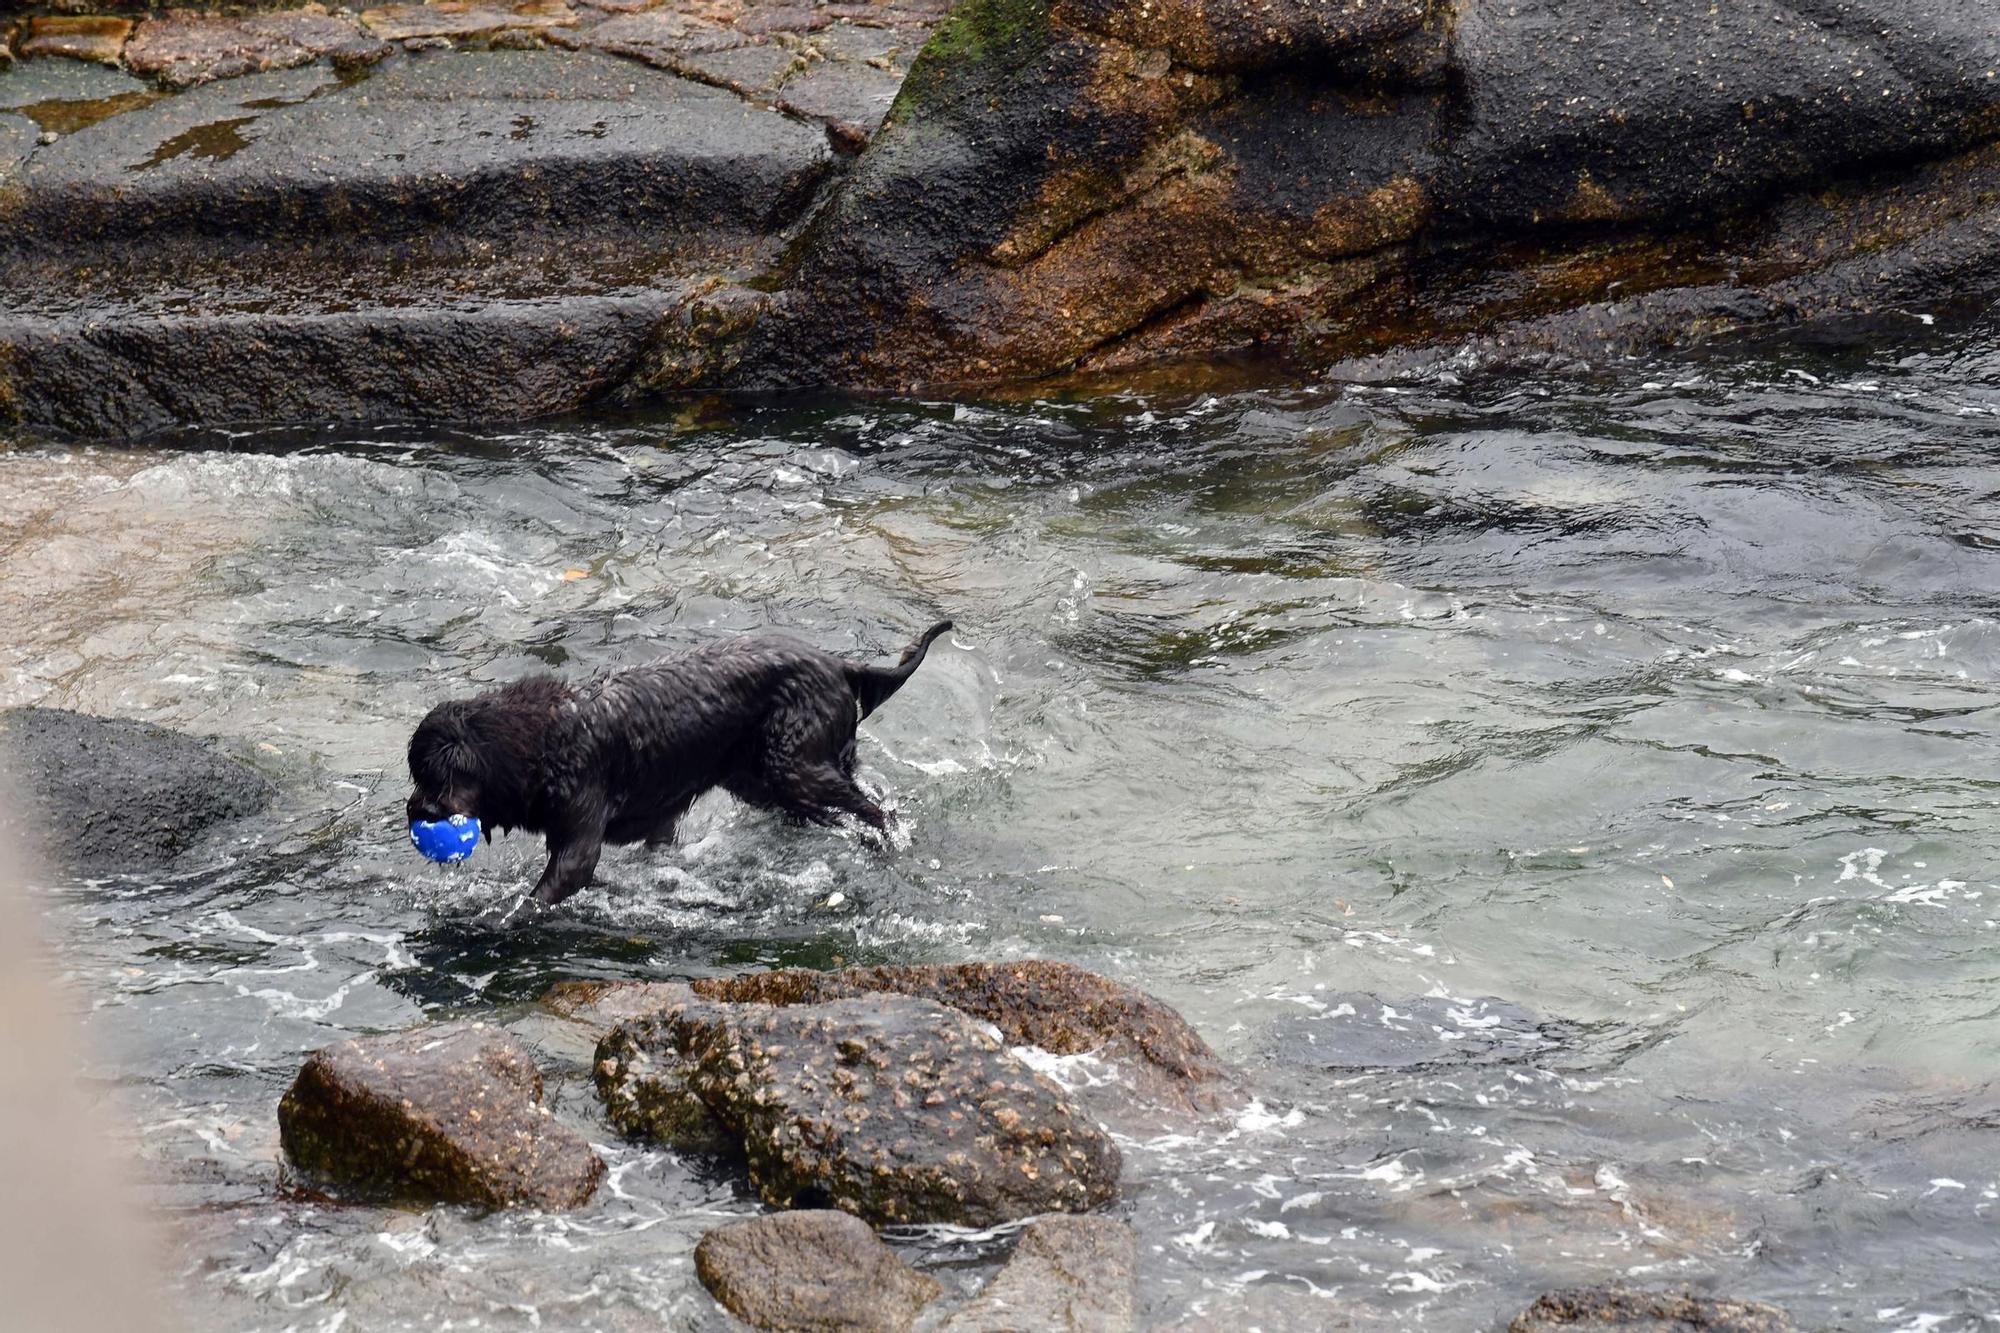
815,1271
1614,1310
437,1115
118,795
1072,1274
897,1110
1084,185
753,194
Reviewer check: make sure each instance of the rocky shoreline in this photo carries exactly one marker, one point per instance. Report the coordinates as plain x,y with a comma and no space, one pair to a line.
863,1111
472,210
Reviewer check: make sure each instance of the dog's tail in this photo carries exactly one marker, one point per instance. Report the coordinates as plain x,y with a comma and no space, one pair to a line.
873,684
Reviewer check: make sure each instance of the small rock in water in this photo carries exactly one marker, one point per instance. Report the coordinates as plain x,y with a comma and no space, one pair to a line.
813,1270
1066,1273
1617,1310
449,1114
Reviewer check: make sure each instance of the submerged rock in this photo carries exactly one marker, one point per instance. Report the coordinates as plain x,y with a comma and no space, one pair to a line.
1357,1031
818,1270
895,1109
605,1004
1616,1310
113,794
449,1114
1066,1275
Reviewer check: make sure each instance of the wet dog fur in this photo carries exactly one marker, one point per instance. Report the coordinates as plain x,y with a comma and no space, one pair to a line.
619,758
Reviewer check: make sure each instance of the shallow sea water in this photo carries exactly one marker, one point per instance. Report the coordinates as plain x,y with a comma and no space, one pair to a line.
1567,797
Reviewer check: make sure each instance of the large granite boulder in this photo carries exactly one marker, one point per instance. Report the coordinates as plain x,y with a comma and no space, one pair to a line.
447,1114
817,1271
895,1109
110,794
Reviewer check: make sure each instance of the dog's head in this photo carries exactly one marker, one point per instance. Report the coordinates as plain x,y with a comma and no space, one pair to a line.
478,756
451,763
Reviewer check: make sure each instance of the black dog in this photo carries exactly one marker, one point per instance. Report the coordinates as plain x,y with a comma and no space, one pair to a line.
620,758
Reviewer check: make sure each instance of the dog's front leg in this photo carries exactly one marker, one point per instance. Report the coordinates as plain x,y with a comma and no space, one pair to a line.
573,851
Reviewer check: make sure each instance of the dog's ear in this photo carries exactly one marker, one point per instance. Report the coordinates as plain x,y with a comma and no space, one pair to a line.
445,749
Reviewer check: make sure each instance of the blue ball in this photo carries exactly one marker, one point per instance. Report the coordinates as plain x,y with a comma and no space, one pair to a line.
445,840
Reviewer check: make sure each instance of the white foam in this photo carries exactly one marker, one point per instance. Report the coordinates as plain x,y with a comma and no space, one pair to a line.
1083,1070
1414,1281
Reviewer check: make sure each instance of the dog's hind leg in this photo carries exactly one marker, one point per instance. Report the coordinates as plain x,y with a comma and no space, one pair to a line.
819,792
832,791
668,826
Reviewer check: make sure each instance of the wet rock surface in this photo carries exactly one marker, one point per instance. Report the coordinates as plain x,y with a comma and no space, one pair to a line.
1066,1275
182,49
466,18
449,1114
474,143
544,206
1057,1007
895,1109
494,232
1054,188
106,794
814,1270
1616,1310
1088,187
